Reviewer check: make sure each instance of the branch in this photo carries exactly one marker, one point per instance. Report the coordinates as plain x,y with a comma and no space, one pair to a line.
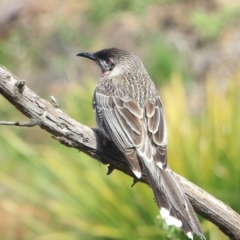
31,123
73,134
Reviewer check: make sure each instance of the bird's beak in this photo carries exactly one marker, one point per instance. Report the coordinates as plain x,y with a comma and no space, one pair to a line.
87,55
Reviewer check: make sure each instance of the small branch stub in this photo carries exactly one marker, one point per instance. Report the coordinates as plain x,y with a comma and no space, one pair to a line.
20,85
54,102
31,123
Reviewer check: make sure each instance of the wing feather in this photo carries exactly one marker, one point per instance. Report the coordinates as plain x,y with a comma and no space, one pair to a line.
150,108
120,119
117,135
157,130
133,108
160,137
136,139
153,122
133,121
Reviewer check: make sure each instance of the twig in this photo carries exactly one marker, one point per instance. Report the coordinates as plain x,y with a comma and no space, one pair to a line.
73,134
31,123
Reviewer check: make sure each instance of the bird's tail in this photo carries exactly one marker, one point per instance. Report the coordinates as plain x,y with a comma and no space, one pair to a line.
172,202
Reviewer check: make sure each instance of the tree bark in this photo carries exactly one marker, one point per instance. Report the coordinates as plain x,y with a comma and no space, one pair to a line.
73,134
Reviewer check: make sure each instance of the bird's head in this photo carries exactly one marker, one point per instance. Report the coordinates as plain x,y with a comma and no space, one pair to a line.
113,60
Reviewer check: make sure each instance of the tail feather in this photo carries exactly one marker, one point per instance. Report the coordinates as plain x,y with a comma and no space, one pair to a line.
194,220
187,207
161,199
172,202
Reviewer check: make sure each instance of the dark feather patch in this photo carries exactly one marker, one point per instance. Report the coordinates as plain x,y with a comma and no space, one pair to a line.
131,155
150,108
131,120
118,101
135,139
133,108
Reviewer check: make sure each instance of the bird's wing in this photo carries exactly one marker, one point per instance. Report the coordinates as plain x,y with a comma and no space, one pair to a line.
120,120
157,130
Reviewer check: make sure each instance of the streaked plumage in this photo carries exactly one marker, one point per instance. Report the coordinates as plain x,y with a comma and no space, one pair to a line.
129,112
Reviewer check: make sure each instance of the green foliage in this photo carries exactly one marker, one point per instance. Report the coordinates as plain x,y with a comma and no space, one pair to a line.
209,25
99,12
6,53
163,61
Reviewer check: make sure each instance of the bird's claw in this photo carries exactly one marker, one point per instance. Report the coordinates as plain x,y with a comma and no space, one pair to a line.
110,169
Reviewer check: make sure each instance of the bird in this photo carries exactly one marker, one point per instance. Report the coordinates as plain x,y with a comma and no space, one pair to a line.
129,113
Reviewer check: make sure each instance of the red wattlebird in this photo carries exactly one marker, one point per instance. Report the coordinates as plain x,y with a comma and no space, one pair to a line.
129,113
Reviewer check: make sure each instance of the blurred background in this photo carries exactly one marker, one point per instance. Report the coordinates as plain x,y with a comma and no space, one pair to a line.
191,49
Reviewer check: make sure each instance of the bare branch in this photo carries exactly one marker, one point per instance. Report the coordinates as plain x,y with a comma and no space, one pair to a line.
73,134
31,123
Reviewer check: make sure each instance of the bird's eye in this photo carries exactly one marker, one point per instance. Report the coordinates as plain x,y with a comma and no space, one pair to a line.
107,63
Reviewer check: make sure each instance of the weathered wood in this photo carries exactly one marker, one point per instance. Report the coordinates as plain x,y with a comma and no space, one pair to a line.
73,134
